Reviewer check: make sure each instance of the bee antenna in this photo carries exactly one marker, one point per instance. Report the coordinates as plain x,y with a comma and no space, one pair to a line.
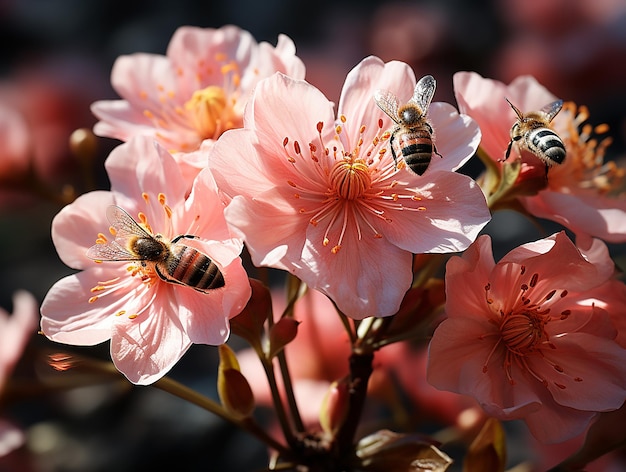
517,111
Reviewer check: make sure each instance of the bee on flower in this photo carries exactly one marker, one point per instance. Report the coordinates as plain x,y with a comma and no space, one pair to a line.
152,304
319,195
584,192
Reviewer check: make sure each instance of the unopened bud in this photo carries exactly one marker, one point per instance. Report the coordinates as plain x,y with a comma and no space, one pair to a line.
281,334
249,323
84,144
232,387
334,407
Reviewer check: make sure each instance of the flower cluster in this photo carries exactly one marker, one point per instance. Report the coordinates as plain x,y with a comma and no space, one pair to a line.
228,151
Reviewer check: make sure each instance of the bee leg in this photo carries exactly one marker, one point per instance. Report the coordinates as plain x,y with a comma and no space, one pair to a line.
165,278
508,148
184,236
436,152
393,152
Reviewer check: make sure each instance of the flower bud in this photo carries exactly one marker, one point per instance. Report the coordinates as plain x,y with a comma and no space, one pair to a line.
281,334
232,387
334,407
249,323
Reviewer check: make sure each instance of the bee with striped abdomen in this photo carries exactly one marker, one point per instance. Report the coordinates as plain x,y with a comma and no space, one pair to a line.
172,261
413,132
532,132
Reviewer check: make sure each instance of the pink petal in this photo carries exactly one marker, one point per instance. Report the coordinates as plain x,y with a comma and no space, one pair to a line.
366,277
76,227
599,216
147,347
456,137
466,277
15,331
274,235
593,372
357,94
143,166
455,213
67,315
301,106
235,155
556,425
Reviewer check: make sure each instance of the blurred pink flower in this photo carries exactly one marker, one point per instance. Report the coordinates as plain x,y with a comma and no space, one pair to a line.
15,332
196,91
526,338
15,154
151,323
581,193
319,196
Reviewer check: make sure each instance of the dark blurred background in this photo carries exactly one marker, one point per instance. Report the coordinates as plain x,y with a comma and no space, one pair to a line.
55,59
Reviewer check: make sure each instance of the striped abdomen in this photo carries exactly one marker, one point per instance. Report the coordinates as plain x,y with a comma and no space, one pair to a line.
417,149
191,267
547,145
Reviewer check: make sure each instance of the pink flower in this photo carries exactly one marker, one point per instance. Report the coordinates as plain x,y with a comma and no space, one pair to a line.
320,196
15,154
15,332
151,322
526,338
195,92
582,192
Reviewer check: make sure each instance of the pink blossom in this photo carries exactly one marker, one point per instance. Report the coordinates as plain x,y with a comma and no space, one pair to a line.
582,192
151,323
15,154
15,332
196,91
320,196
526,339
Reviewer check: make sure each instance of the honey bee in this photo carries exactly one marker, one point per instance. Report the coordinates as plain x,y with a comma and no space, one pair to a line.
532,132
412,131
172,261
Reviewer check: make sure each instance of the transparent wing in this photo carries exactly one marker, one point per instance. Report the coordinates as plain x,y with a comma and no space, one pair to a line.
111,251
552,109
388,103
423,93
125,228
124,224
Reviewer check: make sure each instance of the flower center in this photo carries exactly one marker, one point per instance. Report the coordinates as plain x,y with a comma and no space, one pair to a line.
351,188
350,180
521,336
183,122
206,110
521,332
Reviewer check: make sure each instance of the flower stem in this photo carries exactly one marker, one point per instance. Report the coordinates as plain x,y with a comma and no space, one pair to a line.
360,371
247,424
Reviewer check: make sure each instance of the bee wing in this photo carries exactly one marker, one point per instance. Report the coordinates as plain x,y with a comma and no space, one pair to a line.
111,251
388,103
125,228
552,109
124,224
423,93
